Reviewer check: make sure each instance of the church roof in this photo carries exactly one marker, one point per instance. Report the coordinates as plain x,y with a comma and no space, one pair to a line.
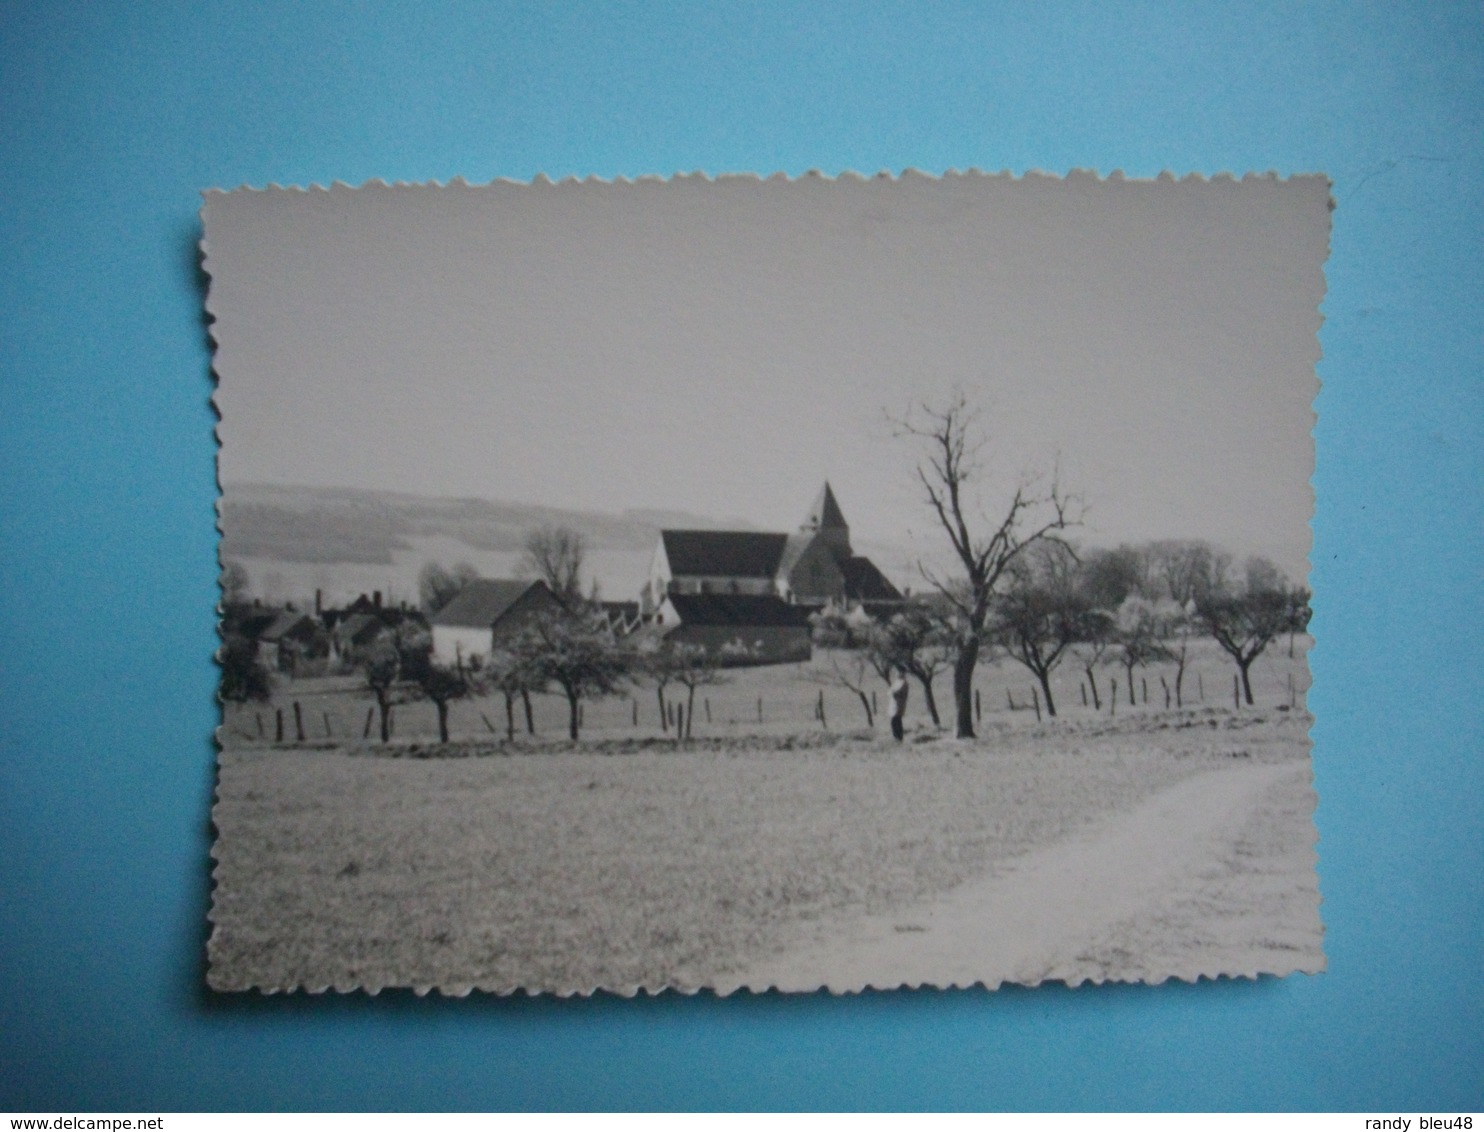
483,602
864,582
723,554
826,513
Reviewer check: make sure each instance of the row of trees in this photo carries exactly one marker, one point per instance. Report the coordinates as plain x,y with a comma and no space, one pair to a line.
1020,585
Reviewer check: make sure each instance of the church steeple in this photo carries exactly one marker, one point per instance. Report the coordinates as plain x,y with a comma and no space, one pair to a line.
825,515
826,524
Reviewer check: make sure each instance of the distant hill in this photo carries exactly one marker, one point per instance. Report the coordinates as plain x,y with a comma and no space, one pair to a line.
348,525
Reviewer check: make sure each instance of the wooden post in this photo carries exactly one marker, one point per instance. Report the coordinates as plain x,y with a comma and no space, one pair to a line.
366,731
1036,701
635,704
707,701
822,721
1200,686
298,722
1010,698
1166,685
391,721
1144,682
1236,692
261,733
490,726
978,708
1113,696
874,709
278,725
679,722
1081,687
760,709
329,732
1292,696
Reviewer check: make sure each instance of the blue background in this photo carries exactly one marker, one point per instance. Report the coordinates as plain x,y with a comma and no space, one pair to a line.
114,116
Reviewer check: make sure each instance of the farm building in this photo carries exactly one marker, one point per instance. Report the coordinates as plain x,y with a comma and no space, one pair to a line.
355,633
289,636
813,566
740,628
467,628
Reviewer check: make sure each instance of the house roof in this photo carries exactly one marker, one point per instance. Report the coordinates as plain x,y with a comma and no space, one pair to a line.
358,628
483,602
864,582
826,513
738,609
723,554
284,625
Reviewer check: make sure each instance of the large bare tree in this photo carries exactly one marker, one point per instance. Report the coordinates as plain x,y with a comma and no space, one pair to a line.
951,441
555,555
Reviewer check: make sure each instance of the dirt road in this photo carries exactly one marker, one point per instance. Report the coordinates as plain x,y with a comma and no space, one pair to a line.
1191,882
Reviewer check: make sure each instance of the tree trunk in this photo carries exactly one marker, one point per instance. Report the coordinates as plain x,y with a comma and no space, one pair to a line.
572,718
1132,700
659,692
509,716
1045,678
932,703
525,697
866,703
442,706
385,707
1092,684
690,710
963,688
1246,680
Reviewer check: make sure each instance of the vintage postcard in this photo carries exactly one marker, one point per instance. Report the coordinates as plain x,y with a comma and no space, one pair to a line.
765,583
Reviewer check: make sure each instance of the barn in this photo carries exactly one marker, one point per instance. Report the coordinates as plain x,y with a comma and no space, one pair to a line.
485,610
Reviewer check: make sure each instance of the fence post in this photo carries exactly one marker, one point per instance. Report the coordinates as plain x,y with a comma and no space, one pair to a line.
635,704
822,721
760,709
1144,682
707,701
366,731
978,708
1036,702
1200,686
488,724
1166,685
1010,698
1113,696
329,732
1081,687
278,725
1236,692
298,722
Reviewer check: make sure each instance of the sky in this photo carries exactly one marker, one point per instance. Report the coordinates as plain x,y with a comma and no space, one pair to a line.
724,346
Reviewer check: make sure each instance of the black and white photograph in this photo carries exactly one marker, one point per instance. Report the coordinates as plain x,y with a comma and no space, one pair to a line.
765,583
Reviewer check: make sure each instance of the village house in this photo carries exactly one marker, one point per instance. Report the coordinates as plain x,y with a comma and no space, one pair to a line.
484,612
737,628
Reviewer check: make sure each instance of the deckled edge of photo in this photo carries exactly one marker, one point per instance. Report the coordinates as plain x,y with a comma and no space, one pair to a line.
722,988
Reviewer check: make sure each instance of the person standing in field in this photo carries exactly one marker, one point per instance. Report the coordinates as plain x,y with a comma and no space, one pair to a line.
899,689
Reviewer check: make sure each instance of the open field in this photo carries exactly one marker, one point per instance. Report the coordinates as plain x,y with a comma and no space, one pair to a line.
629,862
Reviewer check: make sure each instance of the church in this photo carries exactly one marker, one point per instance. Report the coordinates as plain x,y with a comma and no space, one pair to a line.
730,583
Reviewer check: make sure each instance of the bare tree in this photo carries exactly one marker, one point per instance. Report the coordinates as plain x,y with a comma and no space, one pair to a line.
1245,623
576,651
555,555
951,441
442,684
381,668
919,642
851,669
1139,634
692,667
437,586
1043,613
236,587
